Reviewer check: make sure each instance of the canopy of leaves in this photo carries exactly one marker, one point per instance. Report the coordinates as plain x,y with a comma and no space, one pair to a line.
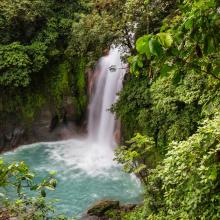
114,22
175,86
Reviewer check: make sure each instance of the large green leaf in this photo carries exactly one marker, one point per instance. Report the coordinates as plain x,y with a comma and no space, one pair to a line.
155,47
142,45
165,39
189,23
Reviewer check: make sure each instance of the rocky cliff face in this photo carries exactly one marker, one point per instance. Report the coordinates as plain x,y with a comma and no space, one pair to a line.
46,126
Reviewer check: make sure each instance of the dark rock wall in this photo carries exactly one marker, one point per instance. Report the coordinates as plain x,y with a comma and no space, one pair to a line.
47,126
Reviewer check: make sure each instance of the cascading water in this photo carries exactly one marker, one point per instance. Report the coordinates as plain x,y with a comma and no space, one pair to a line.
102,122
86,170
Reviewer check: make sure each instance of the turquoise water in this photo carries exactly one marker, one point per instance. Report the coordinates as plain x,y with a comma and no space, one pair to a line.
84,175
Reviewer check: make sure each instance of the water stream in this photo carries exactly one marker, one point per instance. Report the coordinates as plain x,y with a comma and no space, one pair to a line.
86,169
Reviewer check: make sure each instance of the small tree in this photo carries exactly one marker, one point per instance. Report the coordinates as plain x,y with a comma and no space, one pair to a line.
18,179
136,156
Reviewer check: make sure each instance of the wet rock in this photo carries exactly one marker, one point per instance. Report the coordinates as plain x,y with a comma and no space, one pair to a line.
16,137
11,139
100,208
108,210
54,123
128,207
47,125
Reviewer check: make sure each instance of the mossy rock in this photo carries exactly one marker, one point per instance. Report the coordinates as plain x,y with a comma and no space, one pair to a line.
128,207
101,207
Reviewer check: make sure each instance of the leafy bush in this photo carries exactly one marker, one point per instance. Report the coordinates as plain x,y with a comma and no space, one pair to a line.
16,184
137,156
189,177
18,63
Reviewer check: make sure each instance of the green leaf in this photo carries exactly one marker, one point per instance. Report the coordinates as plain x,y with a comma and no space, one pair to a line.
142,45
43,193
49,188
155,47
165,39
53,172
213,174
165,69
189,23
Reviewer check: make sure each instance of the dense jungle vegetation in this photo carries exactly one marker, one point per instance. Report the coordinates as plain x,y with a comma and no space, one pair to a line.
169,106
36,67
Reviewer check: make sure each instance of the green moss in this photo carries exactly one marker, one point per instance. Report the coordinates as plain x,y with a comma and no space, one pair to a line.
80,86
23,108
32,105
59,82
136,214
112,214
80,77
51,86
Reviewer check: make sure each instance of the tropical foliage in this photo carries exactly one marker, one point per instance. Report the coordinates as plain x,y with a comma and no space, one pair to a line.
134,156
169,106
189,177
16,181
35,68
173,96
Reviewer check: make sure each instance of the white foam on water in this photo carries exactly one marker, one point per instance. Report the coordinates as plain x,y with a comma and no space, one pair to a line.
92,158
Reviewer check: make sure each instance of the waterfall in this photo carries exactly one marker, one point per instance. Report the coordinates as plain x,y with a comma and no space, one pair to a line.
94,154
102,122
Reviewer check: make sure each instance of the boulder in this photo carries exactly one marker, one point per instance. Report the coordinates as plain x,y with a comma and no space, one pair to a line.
100,208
